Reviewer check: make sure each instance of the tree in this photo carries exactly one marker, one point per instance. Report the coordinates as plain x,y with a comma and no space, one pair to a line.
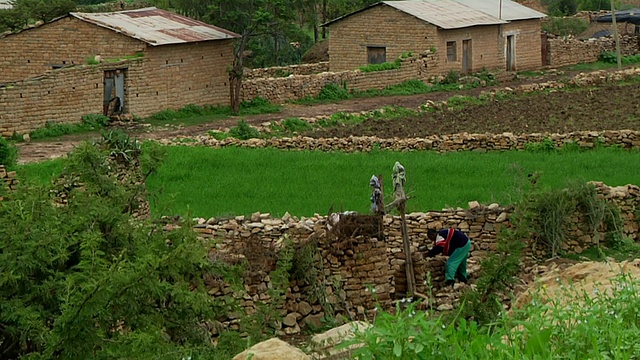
82,278
44,10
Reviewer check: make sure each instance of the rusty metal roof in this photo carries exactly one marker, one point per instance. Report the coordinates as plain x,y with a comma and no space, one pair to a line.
511,10
455,14
157,27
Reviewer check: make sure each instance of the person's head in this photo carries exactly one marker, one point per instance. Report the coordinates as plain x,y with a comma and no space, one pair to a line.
432,233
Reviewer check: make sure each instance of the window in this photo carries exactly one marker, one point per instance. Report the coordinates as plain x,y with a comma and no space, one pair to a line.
452,54
376,55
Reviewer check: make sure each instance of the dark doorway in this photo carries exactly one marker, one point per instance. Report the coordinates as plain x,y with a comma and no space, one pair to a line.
113,103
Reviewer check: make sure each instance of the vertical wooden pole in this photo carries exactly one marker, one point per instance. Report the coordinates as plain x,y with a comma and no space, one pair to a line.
615,34
411,279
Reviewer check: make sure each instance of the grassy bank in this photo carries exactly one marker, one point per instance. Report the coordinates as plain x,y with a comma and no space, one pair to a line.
234,181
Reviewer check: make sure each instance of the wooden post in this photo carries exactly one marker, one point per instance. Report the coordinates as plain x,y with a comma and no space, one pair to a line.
399,178
616,35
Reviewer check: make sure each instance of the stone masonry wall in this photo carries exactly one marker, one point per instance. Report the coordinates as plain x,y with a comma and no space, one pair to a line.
284,71
8,180
365,272
64,42
569,51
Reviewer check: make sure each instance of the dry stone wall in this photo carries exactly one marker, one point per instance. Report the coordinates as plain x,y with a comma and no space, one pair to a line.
284,71
8,180
569,50
283,89
362,273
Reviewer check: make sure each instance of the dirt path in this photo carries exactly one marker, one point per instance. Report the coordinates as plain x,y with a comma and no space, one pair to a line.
49,149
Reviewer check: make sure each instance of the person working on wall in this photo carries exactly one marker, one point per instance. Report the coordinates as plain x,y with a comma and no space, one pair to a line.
456,245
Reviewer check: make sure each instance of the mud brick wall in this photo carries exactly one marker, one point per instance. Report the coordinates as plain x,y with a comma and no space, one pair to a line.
401,33
170,76
61,96
181,74
569,51
284,71
64,42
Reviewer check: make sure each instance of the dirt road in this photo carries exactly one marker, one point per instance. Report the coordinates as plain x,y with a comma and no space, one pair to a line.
53,148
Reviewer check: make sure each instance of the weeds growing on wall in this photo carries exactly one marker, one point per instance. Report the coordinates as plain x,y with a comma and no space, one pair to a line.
382,67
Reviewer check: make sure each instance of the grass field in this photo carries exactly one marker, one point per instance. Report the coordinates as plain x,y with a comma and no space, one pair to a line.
233,181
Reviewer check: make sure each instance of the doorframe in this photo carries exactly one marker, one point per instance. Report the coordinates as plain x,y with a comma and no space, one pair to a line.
510,52
114,81
467,56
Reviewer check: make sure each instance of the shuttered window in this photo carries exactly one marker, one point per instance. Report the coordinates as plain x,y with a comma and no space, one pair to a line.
452,54
377,55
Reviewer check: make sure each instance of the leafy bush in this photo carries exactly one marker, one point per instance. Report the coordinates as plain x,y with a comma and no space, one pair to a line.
244,131
295,125
451,78
546,145
96,120
333,91
8,153
562,26
87,280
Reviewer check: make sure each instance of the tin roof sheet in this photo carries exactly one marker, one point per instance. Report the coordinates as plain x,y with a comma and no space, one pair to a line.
447,14
511,10
5,4
455,14
157,27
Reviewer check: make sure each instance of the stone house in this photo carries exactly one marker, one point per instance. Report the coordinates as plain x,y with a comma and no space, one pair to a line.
466,35
136,61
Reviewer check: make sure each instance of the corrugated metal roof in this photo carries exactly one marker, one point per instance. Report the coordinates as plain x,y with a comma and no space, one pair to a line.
5,4
447,14
511,10
455,14
157,27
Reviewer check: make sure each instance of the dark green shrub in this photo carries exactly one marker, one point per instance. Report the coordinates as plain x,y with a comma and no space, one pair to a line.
244,131
451,78
8,153
562,26
333,91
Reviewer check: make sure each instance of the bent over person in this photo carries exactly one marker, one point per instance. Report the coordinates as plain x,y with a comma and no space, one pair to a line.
454,244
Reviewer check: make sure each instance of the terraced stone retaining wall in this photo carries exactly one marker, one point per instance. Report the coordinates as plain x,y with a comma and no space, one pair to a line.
356,276
569,50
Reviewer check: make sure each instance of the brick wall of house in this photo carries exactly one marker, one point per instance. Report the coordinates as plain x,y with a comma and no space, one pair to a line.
380,26
169,76
67,41
528,43
64,95
182,74
484,48
400,33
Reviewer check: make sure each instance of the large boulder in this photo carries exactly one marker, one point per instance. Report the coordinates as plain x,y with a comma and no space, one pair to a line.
325,344
272,349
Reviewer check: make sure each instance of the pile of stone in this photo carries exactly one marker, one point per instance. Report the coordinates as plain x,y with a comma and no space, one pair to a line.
8,179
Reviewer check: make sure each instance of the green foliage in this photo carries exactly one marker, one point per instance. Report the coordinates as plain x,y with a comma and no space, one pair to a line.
122,147
610,57
333,91
451,78
562,26
8,153
382,67
44,10
586,325
244,131
90,122
86,280
295,125
545,146
193,114
12,20
561,7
